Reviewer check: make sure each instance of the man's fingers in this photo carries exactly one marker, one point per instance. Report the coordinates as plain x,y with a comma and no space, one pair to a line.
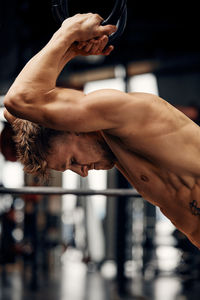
108,50
104,41
99,45
89,46
81,45
103,50
95,46
107,29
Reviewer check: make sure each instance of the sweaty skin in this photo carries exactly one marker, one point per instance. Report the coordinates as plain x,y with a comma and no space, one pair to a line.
156,146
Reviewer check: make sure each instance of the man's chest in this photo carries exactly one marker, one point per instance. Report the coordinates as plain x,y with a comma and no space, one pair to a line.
178,196
142,174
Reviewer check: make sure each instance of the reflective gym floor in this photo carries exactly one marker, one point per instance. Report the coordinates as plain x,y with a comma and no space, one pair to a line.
158,53
72,279
92,285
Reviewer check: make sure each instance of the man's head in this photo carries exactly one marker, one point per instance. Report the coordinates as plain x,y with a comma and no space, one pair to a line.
41,149
80,152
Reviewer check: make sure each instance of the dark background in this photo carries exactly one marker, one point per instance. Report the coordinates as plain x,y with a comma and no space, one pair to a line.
166,32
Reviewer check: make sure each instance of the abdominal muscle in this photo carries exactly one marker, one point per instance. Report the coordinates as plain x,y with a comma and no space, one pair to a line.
178,197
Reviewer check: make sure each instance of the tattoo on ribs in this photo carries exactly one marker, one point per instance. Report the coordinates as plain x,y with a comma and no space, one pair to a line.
195,210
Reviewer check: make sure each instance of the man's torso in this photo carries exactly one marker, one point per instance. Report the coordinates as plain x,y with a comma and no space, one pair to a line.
161,159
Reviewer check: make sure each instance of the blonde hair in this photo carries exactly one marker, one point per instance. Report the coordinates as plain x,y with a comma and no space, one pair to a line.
33,144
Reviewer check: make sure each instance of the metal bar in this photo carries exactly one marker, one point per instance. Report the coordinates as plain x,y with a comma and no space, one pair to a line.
60,191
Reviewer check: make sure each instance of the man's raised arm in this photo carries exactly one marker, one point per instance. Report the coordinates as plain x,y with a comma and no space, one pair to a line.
35,85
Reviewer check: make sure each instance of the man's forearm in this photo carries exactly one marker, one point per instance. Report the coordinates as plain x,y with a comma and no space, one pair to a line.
35,86
41,72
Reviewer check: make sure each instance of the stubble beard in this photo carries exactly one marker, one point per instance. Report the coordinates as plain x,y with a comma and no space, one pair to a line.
108,158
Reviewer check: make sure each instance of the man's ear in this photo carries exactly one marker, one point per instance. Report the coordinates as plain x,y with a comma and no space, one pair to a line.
10,118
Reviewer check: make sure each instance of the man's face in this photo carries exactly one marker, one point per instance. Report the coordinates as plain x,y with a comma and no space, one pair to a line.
80,153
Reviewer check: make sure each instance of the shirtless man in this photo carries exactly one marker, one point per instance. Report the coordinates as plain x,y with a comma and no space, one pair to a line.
155,146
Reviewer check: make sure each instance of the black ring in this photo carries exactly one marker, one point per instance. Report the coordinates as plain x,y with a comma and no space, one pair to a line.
117,17
116,13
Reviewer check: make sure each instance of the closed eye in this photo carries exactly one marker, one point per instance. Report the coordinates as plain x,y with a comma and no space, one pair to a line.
63,167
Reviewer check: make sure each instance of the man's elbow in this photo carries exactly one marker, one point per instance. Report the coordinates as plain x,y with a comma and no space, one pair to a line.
8,116
13,102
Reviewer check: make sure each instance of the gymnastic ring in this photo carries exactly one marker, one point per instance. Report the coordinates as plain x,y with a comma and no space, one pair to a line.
117,17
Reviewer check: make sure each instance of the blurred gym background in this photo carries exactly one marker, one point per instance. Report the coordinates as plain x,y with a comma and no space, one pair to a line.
86,248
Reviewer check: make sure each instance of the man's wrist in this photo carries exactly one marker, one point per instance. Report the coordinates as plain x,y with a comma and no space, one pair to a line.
65,37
